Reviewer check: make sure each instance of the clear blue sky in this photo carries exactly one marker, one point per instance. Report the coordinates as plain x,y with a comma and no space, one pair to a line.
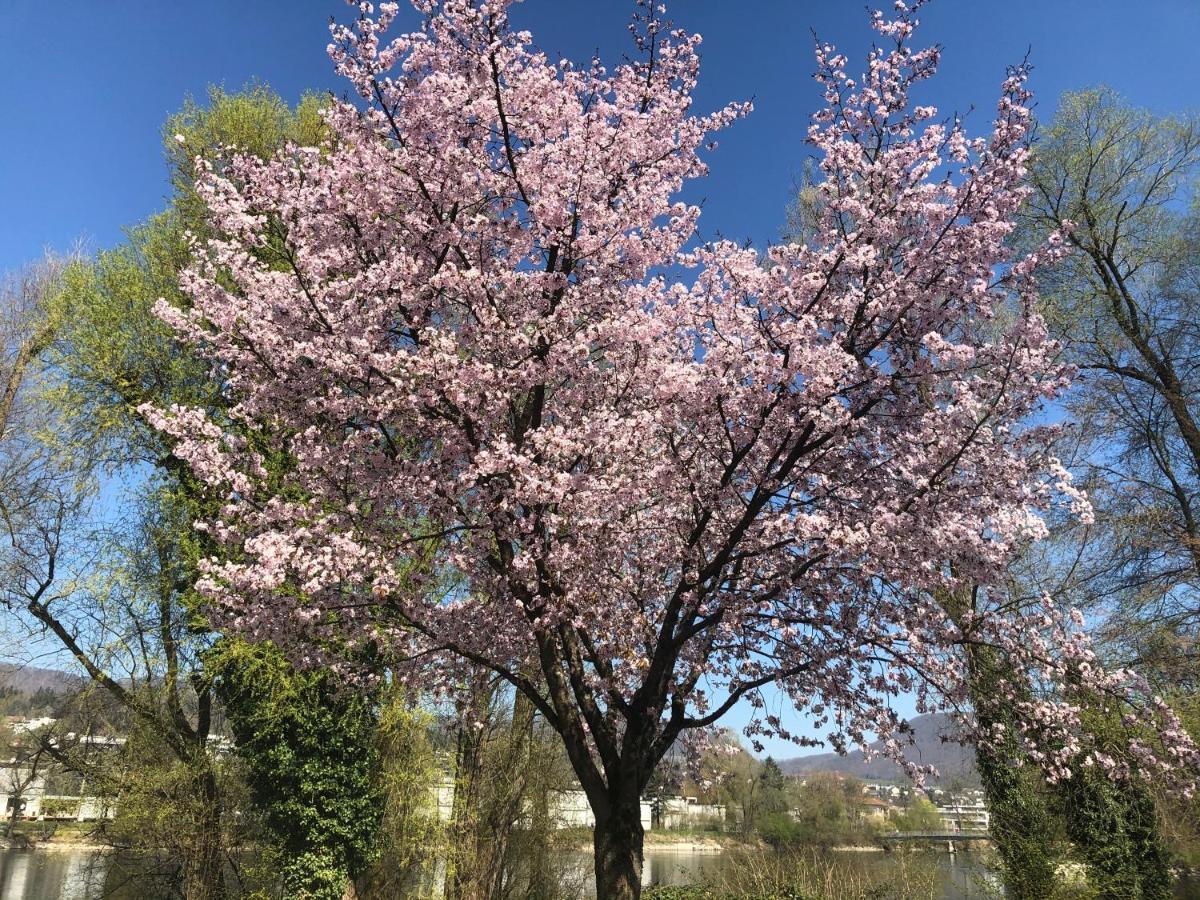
86,85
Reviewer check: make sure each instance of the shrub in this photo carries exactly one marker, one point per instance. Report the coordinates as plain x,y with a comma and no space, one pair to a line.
780,830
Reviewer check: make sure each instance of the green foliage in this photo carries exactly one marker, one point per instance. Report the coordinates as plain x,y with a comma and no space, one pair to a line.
255,120
1125,304
410,835
734,775
1022,827
772,788
1113,828
180,811
779,829
1179,816
824,812
1113,823
59,807
1150,855
114,354
311,760
921,815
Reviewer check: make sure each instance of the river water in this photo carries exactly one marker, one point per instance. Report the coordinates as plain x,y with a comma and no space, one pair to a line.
65,874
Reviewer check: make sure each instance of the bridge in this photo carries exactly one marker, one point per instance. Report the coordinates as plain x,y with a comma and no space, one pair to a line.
950,838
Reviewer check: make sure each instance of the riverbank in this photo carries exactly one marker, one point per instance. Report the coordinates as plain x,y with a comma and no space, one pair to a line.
61,836
667,842
694,843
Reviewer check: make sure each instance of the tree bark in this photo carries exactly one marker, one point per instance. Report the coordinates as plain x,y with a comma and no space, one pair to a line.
203,864
462,873
618,839
489,794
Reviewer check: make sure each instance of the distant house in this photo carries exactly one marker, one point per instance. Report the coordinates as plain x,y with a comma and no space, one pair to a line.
872,809
570,809
21,725
21,789
27,792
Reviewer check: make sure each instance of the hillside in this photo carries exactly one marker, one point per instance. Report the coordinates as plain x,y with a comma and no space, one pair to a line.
31,679
953,761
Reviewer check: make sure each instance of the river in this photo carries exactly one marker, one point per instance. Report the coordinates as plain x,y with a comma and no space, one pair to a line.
66,874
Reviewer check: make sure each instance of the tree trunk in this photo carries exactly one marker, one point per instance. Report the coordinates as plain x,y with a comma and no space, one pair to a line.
203,864
618,841
1022,822
462,874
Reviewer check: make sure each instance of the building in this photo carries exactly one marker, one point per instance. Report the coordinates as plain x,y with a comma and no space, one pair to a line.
872,809
567,809
686,812
962,814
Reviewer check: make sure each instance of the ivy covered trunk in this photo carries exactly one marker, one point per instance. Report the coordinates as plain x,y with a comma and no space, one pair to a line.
1114,827
311,753
1149,851
1022,824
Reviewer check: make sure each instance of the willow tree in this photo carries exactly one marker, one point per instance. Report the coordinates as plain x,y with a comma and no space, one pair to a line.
1126,306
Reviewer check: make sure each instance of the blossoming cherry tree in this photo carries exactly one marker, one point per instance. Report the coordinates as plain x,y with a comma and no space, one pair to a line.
477,418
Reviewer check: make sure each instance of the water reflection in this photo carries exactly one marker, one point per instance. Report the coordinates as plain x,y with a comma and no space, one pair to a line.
14,877
72,874
63,874
84,876
958,877
670,867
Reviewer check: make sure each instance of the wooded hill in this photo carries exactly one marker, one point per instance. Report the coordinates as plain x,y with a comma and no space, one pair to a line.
931,746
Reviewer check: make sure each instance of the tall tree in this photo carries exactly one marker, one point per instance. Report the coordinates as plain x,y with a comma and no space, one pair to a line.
1119,181
1126,305
773,788
106,592
660,497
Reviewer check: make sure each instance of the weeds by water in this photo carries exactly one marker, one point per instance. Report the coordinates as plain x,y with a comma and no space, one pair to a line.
752,874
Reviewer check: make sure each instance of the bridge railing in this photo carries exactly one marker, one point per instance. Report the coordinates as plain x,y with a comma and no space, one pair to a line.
937,836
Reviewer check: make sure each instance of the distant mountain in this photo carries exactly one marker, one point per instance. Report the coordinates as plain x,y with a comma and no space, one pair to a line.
953,761
31,679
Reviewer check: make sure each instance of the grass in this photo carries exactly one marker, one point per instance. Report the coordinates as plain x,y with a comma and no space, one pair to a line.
757,874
